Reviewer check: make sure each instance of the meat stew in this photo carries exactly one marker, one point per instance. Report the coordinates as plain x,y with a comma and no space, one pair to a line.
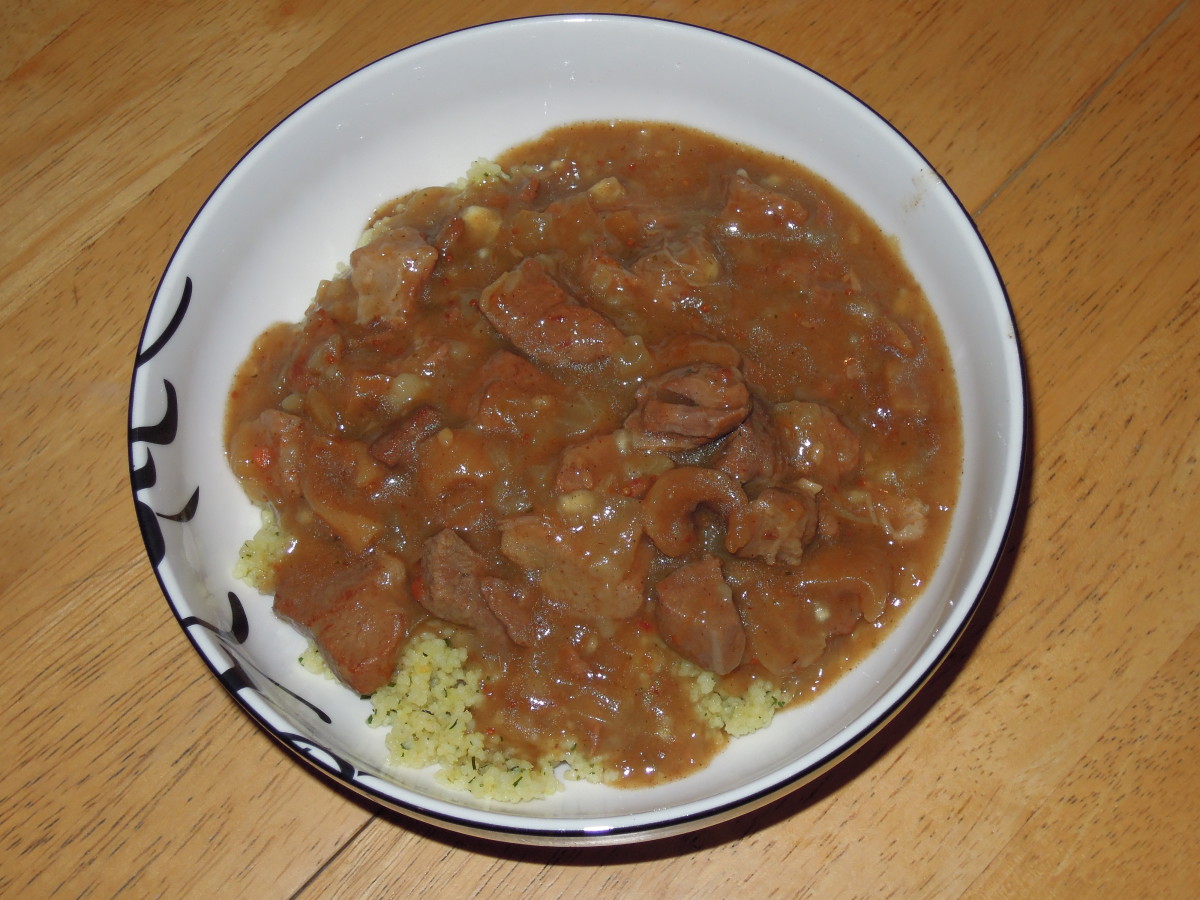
629,403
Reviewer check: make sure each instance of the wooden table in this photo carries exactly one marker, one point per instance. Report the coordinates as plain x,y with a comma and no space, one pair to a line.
1055,755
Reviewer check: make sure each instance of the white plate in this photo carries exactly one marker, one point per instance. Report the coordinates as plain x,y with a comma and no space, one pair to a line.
291,210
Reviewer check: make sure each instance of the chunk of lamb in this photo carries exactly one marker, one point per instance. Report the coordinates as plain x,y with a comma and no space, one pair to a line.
697,616
846,585
689,407
335,475
533,312
266,453
358,611
784,629
607,463
589,556
397,446
753,212
389,274
779,526
451,584
509,368
751,452
512,395
674,271
815,443
515,605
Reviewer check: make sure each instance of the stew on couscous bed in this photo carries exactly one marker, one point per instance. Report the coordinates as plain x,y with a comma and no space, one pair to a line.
630,406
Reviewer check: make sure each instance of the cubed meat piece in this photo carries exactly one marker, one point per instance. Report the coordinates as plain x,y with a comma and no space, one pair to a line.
682,350
358,612
677,270
266,454
517,371
753,212
815,443
697,616
451,587
511,395
689,407
607,463
397,446
334,476
779,525
751,452
610,287
589,557
532,311
514,605
784,631
389,274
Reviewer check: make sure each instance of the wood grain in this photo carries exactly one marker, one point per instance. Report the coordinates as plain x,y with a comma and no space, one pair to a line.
1052,756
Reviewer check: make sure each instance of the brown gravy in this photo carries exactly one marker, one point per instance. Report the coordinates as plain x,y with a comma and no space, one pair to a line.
646,395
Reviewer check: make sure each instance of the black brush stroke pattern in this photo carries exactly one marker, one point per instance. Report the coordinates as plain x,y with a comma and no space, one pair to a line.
172,326
152,536
311,748
163,433
236,679
239,628
188,512
145,476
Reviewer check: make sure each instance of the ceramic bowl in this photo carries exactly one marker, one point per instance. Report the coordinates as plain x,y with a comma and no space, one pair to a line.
290,211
